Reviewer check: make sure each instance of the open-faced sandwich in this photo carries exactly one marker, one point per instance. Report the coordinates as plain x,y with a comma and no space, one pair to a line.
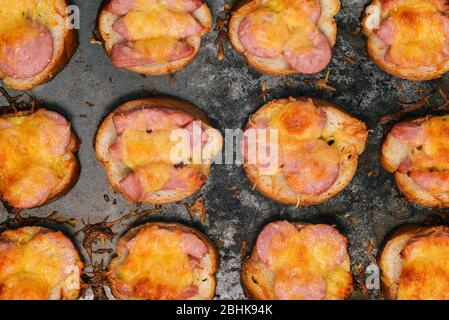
281,37
296,261
414,264
417,152
302,151
36,41
38,264
163,261
157,150
409,38
153,36
37,161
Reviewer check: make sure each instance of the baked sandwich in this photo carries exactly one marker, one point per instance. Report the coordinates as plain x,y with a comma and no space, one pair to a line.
409,38
38,264
163,261
416,151
302,151
296,261
413,263
153,37
157,150
37,158
282,37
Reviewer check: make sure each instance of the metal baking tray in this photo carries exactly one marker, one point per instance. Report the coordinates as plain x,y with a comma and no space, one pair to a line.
229,91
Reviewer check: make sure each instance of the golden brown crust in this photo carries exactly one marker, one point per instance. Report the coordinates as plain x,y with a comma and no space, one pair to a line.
73,172
392,153
109,37
60,59
122,253
349,161
278,67
376,50
36,230
106,131
389,259
257,291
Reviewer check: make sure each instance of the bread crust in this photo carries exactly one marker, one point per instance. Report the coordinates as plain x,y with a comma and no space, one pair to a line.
109,37
73,171
63,52
392,153
115,169
75,294
348,162
122,253
389,260
377,49
278,66
258,291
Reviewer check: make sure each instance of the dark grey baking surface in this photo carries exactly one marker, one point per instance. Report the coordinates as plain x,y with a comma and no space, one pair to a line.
370,207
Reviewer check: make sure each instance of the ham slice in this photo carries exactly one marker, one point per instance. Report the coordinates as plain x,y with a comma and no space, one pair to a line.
149,119
194,246
122,7
55,134
435,182
149,179
311,60
409,132
26,51
280,231
125,55
386,32
263,34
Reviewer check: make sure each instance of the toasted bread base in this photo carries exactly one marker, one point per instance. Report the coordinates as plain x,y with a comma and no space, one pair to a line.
389,259
110,37
260,289
65,44
276,188
278,66
72,294
70,177
377,50
393,152
209,263
116,169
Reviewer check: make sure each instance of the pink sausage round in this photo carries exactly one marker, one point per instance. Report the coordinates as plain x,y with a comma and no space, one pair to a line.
25,56
313,61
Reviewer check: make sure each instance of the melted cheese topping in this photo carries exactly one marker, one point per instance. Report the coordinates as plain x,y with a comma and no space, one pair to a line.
15,13
145,5
154,176
425,269
437,143
156,266
158,49
34,266
139,148
27,162
298,120
268,29
156,21
419,36
283,23
295,252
